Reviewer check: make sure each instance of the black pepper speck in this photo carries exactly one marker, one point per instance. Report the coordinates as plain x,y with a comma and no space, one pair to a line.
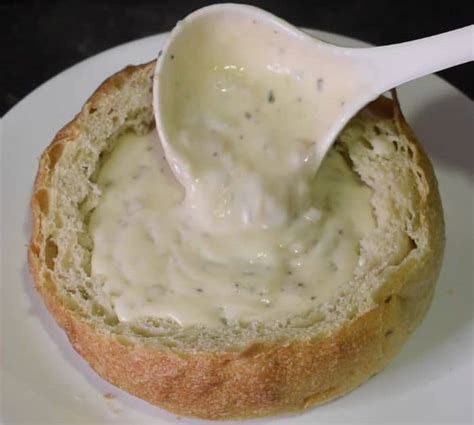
320,84
271,97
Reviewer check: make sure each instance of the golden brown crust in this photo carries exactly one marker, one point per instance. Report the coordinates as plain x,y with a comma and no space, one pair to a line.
263,379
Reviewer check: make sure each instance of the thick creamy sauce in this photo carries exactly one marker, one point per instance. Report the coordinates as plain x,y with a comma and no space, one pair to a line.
155,260
244,117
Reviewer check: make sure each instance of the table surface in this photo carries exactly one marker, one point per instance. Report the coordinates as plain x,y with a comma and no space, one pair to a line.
42,38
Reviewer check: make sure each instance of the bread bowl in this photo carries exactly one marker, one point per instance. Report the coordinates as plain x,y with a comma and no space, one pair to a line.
260,368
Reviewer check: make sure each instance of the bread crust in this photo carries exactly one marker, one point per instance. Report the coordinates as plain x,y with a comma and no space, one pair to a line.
264,378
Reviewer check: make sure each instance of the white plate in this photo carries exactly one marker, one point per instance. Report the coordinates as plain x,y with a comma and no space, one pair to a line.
45,381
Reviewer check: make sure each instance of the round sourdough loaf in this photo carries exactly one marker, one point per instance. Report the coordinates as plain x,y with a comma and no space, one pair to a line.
259,368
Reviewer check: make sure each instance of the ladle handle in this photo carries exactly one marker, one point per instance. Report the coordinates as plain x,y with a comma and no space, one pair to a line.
399,63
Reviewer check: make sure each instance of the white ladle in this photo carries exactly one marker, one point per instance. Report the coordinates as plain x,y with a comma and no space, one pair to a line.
239,37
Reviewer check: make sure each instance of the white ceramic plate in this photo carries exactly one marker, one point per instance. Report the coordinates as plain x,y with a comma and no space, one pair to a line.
44,381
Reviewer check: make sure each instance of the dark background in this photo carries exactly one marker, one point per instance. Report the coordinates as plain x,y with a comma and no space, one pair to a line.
42,38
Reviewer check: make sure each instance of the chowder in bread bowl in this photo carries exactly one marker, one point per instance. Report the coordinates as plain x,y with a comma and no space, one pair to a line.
240,365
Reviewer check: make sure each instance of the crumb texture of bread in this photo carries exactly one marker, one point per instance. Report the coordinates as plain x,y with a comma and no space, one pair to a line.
260,368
